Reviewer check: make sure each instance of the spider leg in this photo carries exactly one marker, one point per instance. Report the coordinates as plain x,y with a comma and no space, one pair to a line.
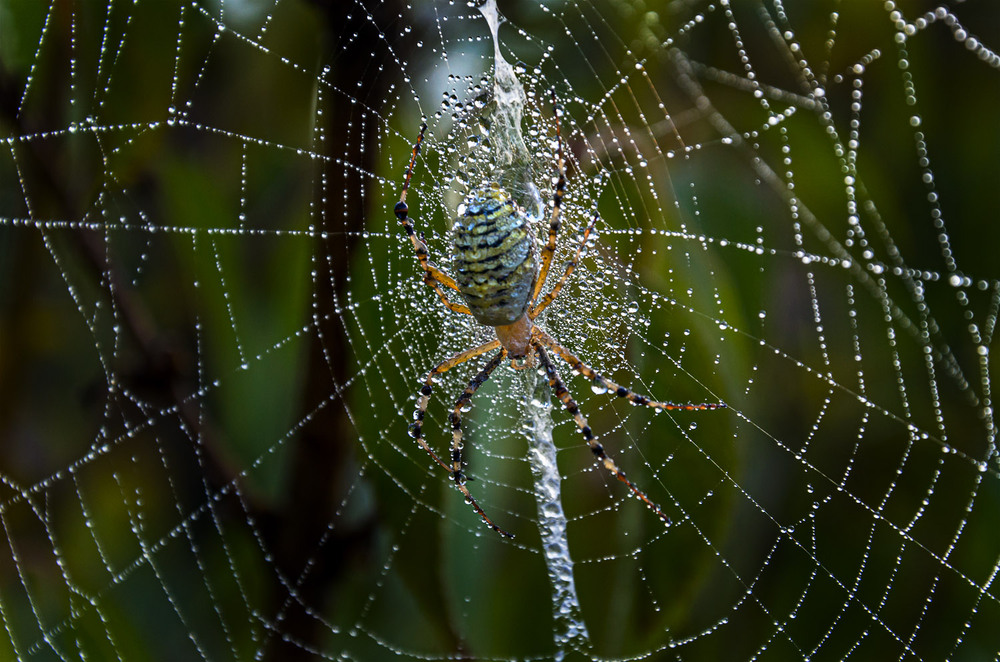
416,428
596,448
457,473
570,267
601,382
432,275
550,245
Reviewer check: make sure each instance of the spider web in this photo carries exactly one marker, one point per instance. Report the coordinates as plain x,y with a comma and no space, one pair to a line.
214,331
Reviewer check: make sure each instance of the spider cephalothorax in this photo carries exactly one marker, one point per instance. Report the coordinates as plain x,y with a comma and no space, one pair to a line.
500,278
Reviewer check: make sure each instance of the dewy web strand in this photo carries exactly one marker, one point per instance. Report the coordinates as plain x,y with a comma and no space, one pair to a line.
211,326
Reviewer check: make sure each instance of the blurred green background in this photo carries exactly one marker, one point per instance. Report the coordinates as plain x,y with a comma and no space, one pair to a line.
212,330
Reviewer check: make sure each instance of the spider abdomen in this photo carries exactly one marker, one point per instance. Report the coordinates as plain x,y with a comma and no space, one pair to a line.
495,257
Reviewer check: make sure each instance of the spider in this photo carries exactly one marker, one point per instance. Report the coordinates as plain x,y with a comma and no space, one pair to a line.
500,280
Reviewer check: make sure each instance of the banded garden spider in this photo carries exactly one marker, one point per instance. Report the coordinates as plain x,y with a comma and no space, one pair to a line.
500,281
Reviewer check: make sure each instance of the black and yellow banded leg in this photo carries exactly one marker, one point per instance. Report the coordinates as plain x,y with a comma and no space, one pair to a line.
557,197
557,386
455,418
570,267
601,382
417,426
432,275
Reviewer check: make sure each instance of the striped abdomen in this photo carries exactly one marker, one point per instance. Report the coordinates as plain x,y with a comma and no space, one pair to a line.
494,255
